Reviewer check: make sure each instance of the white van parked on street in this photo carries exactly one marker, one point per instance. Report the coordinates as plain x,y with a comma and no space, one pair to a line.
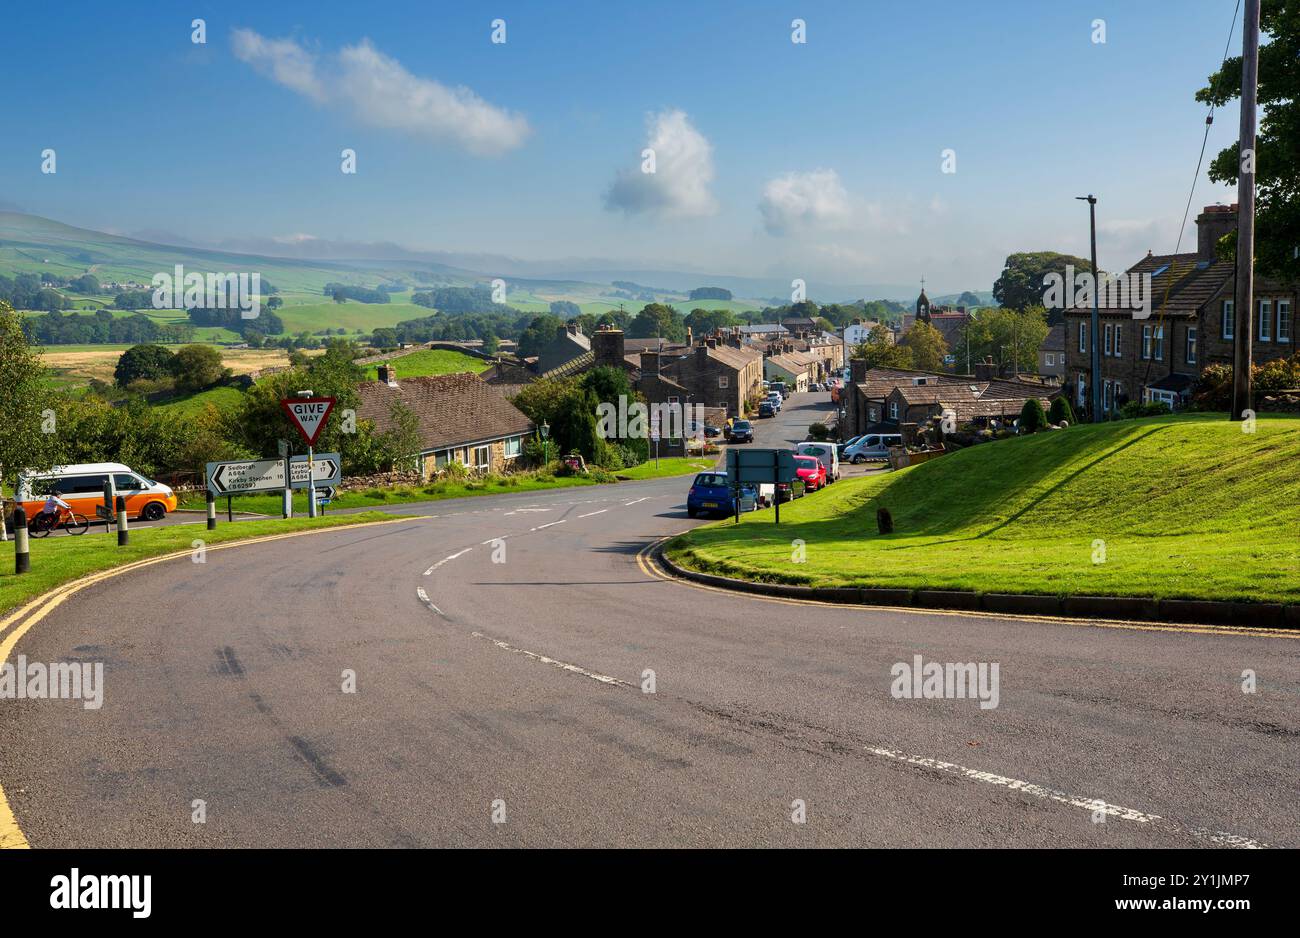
827,454
872,446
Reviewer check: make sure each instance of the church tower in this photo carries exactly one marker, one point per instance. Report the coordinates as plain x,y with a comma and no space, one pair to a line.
922,305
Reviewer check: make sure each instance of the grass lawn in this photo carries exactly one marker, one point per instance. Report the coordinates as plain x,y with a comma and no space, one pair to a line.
268,503
223,398
60,557
1187,506
674,466
430,362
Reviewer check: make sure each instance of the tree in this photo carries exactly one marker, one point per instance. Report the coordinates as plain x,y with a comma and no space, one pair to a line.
1021,282
197,367
658,320
880,352
705,321
399,446
1277,143
30,433
1032,418
1061,411
927,346
565,309
384,338
148,362
491,344
1005,335
540,333
274,302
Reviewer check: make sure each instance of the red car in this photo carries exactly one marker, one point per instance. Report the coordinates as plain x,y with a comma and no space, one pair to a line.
813,473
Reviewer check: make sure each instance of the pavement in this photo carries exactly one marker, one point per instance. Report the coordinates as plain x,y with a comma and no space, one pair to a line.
502,651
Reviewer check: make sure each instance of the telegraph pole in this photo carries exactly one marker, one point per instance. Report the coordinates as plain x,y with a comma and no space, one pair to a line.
1095,342
1244,298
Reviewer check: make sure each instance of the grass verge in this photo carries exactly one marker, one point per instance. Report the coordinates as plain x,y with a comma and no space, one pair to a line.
269,503
1175,507
674,466
61,558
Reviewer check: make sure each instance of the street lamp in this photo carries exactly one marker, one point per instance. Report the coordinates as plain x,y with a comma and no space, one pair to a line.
1096,315
546,452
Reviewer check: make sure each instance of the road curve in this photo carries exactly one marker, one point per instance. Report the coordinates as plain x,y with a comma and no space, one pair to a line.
502,646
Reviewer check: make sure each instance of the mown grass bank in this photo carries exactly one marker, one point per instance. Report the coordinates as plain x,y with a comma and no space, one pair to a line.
1172,507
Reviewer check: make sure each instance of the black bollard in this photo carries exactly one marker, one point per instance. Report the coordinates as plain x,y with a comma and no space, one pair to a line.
22,558
122,533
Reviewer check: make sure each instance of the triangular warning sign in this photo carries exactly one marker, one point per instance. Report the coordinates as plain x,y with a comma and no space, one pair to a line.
308,414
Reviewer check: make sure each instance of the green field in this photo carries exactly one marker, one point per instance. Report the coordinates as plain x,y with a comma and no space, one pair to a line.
222,398
430,362
1183,506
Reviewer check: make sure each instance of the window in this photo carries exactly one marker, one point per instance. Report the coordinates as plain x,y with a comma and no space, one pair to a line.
1284,320
1119,331
1106,343
1083,337
1229,320
441,458
1117,391
124,482
724,381
1146,342
873,414
1160,344
1082,383
514,446
893,410
1265,320
1191,346
1105,396
1051,359
482,456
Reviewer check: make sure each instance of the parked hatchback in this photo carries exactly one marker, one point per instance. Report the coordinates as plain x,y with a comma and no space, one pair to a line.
766,409
742,432
711,494
810,470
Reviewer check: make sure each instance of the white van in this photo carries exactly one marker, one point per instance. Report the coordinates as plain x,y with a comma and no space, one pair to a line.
827,454
872,446
82,487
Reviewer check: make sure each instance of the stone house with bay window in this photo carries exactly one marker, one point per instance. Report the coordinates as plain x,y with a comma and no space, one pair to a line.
460,418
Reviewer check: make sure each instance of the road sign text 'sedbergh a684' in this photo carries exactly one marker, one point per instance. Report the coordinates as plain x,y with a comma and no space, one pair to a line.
308,414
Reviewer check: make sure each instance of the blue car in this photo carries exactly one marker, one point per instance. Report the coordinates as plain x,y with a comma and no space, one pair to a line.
711,494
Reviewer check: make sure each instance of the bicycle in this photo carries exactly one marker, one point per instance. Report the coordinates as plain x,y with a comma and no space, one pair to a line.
43,523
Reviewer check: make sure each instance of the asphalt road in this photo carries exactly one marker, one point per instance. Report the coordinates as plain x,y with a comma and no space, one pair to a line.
512,671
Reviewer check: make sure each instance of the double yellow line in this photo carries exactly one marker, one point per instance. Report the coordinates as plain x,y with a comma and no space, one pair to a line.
22,620
650,569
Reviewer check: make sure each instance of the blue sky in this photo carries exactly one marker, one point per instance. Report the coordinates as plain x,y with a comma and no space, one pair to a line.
820,160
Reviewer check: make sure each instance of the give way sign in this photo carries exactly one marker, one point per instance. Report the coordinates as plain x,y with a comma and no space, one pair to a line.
308,415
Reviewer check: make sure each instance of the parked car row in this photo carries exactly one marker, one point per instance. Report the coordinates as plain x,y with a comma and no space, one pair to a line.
711,493
869,446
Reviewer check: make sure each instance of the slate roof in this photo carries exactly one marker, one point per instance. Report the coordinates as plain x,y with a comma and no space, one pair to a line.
1055,339
452,410
1180,283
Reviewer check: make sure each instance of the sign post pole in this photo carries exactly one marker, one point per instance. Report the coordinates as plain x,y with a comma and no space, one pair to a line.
311,483
776,486
286,507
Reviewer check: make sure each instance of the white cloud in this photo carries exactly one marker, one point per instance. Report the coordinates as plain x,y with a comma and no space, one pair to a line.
382,93
283,60
679,186
798,202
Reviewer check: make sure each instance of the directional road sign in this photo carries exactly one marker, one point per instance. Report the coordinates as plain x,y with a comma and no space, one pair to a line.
308,414
266,475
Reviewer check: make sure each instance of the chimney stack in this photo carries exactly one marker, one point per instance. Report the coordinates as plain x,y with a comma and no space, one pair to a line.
1213,223
388,374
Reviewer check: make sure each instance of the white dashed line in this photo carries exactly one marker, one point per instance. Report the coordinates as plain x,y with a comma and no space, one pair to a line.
636,501
562,665
549,524
590,513
1218,838
424,598
446,559
493,540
